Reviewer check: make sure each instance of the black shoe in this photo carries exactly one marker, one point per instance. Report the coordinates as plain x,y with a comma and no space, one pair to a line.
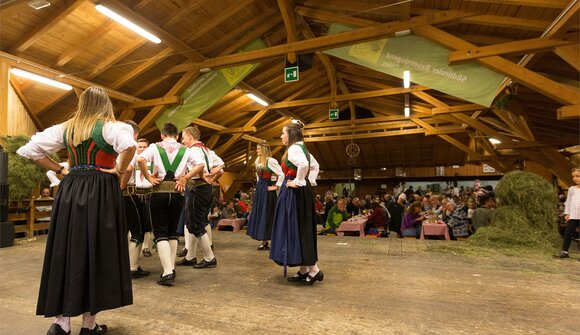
146,253
167,280
99,329
56,329
182,253
185,261
317,277
139,273
211,246
298,277
174,274
561,254
264,246
206,264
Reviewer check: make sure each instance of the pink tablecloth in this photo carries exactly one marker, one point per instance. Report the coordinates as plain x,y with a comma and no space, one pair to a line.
353,224
434,229
237,224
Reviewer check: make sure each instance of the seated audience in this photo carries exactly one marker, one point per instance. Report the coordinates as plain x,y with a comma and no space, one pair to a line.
229,212
45,194
411,225
481,216
456,220
335,217
354,207
379,218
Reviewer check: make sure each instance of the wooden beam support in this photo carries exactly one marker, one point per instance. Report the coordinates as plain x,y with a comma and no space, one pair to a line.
554,90
26,105
251,129
324,16
482,128
164,101
343,97
568,112
71,53
429,129
557,4
44,71
508,22
290,24
457,109
461,146
518,47
4,89
570,54
327,42
564,141
212,141
35,34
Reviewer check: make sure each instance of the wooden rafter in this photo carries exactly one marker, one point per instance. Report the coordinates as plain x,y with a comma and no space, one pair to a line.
327,42
4,89
35,34
287,11
71,53
556,91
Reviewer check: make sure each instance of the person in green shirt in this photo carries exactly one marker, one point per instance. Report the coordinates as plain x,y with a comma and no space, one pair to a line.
336,215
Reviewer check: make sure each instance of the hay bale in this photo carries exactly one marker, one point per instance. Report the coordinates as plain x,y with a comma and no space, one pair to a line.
533,194
526,217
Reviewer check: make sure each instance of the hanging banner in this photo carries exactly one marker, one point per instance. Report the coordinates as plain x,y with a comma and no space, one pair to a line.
206,90
427,63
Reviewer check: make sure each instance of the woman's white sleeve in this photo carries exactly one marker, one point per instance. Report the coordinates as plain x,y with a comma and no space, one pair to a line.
42,143
277,169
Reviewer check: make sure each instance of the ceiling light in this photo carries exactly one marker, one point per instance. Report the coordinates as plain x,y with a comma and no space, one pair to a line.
403,33
205,70
407,79
407,111
41,79
494,141
256,99
116,17
38,4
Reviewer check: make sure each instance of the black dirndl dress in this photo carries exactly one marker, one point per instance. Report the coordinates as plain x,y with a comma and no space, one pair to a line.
262,217
294,232
86,263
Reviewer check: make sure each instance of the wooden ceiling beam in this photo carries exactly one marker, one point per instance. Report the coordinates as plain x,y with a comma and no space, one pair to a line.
165,101
8,9
166,38
41,28
556,91
184,11
71,53
236,130
518,47
457,109
324,16
216,21
531,3
461,146
288,16
343,97
570,54
508,22
143,67
44,71
258,31
327,42
114,58
568,112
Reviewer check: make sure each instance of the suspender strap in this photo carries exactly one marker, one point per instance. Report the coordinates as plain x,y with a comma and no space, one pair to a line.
171,167
203,148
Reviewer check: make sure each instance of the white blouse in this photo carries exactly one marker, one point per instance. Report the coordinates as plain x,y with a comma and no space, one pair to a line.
151,154
276,169
118,134
297,157
215,160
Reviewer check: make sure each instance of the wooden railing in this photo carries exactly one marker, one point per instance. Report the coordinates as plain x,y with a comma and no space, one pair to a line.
32,217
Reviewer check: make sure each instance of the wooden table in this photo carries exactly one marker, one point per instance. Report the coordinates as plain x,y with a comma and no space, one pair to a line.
353,224
437,229
237,224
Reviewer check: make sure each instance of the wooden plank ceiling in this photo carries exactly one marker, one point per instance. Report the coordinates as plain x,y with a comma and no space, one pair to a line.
71,41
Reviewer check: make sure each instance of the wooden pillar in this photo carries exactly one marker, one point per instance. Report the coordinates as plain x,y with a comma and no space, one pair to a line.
4,87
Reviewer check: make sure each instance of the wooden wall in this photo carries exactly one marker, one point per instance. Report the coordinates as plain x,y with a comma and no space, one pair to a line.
19,123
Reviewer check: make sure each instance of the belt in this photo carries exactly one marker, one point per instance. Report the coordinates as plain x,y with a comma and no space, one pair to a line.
164,187
132,190
196,182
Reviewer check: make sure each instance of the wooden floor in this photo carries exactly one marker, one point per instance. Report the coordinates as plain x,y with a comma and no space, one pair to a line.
371,286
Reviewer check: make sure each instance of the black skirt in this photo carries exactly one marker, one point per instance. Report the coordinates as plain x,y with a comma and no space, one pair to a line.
86,264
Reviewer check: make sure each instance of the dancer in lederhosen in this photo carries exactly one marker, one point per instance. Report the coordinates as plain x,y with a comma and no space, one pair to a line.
144,192
134,211
264,203
170,159
86,265
294,230
199,200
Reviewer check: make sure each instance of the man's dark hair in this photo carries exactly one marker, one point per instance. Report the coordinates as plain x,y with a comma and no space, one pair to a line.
132,123
169,129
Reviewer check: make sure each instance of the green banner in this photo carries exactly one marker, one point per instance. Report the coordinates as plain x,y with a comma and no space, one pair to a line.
427,63
206,90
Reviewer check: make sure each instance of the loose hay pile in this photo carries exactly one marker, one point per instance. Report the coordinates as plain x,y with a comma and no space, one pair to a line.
526,218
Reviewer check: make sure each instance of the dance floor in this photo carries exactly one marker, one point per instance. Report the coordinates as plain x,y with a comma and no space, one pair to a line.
371,286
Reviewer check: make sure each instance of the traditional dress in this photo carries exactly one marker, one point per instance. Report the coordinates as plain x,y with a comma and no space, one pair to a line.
86,264
294,231
262,217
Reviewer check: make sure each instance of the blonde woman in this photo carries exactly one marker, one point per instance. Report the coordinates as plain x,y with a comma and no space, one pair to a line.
86,264
264,204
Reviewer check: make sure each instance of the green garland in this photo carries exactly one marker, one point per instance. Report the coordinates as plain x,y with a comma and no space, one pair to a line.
23,174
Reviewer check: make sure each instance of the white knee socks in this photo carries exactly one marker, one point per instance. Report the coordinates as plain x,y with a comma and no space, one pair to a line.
173,250
134,254
206,248
164,251
208,231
